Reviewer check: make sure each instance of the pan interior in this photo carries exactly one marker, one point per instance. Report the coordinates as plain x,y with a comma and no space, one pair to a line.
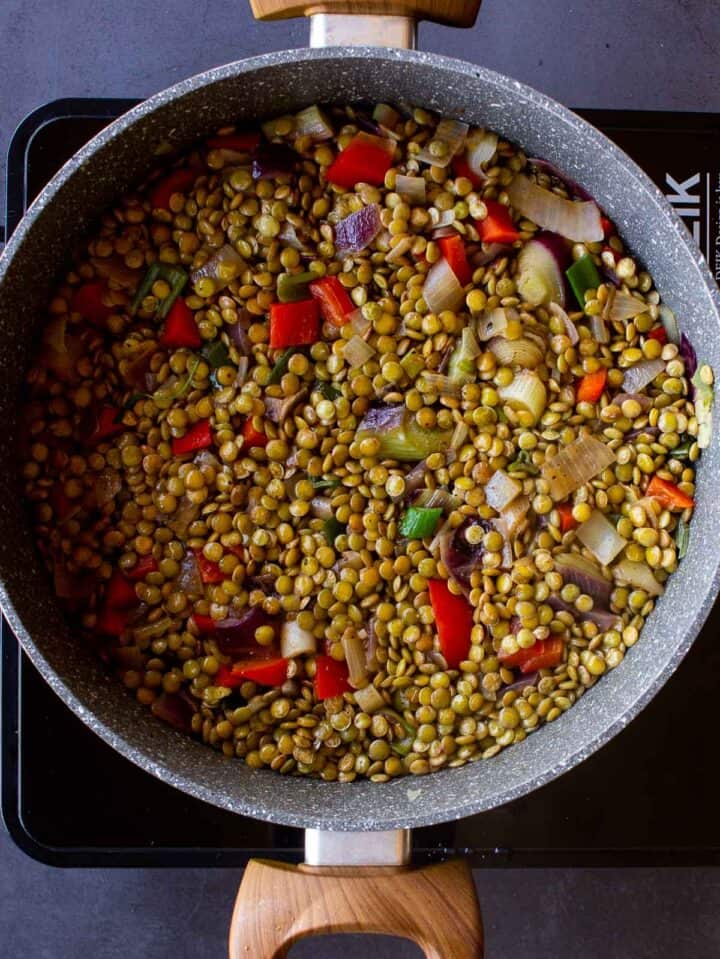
265,86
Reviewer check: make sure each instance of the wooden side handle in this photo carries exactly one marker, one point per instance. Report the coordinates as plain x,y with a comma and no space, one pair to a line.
454,13
435,906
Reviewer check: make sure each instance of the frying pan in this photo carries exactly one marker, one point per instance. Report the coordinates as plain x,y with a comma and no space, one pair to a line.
364,826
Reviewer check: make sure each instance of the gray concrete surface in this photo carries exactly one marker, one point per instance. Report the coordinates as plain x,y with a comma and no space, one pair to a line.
643,54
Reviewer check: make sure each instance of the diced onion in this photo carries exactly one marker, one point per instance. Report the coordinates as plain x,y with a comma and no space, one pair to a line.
222,267
411,188
321,507
644,401
355,232
357,351
442,385
189,580
385,115
450,132
670,324
501,490
600,536
369,699
622,306
313,123
442,290
638,575
354,657
460,435
495,322
585,574
480,149
521,352
295,641
575,465
599,330
570,327
526,392
514,515
640,375
360,323
577,220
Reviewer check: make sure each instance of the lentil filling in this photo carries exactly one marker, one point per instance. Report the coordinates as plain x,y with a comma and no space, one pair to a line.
358,445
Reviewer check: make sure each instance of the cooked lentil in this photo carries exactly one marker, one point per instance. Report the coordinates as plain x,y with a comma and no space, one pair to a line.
292,511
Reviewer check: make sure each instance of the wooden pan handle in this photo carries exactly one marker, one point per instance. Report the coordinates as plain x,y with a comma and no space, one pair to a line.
454,13
435,906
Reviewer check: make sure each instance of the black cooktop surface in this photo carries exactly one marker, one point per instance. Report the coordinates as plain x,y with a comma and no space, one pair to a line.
645,798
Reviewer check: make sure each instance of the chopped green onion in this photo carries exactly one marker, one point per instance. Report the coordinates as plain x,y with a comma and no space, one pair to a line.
281,365
682,538
419,522
132,400
176,277
412,364
332,529
523,464
292,287
411,443
462,362
401,747
328,391
216,354
702,381
682,452
583,276
324,482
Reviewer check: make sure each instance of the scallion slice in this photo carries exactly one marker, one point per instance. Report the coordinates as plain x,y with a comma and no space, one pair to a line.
419,522
173,275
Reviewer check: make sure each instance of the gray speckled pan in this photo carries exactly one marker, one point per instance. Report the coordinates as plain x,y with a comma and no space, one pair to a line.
278,83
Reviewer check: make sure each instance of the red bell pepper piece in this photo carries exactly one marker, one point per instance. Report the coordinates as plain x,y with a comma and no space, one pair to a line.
608,227
145,565
668,494
331,677
111,622
454,621
252,436
591,386
461,167
243,142
294,324
366,159
205,624
209,572
453,249
178,181
120,592
180,327
567,520
544,654
198,437
108,423
659,334
497,227
333,299
270,672
88,301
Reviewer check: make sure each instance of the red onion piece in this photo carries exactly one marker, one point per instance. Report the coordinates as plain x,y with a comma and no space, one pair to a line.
415,479
459,556
175,710
235,636
382,418
189,580
520,684
584,574
271,160
644,401
355,232
602,618
688,354
238,333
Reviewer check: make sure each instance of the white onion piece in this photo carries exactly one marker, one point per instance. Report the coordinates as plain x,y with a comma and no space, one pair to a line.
521,352
575,465
600,536
189,580
670,323
369,699
442,220
514,515
526,392
578,221
480,148
599,330
622,306
638,575
501,490
357,351
312,122
360,323
452,133
570,327
460,435
442,385
495,322
442,290
295,641
640,375
321,507
354,657
411,188
222,266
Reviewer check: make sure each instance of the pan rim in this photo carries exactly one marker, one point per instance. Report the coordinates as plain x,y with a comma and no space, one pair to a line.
436,811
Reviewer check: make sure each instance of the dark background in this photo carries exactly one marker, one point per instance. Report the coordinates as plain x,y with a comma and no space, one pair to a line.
641,54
